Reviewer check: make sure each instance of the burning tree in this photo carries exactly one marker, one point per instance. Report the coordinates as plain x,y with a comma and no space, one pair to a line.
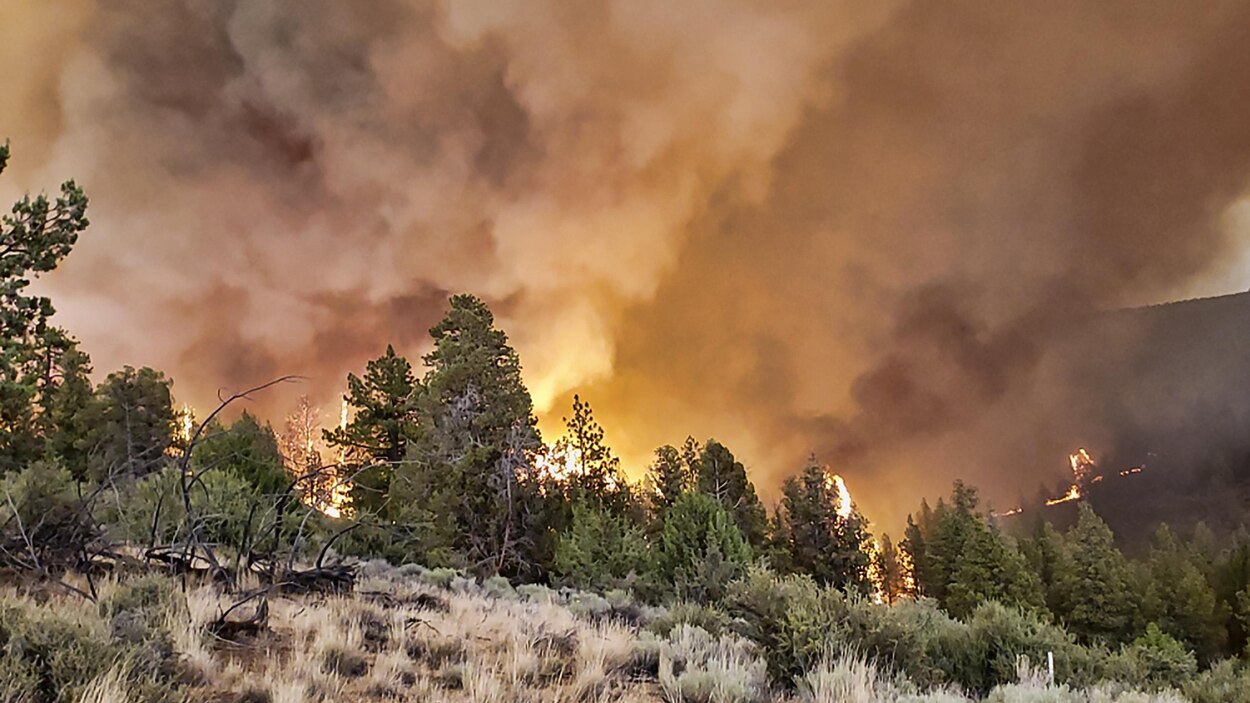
302,444
821,532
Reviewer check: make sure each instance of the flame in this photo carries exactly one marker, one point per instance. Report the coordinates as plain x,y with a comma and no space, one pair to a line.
1008,513
558,462
186,424
1083,468
1132,470
844,497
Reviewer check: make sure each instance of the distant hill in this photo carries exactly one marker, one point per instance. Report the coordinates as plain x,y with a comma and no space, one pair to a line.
1170,384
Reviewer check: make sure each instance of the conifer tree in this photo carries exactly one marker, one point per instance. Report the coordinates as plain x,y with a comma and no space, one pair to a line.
700,550
34,237
1179,599
596,476
131,421
248,450
669,476
834,550
1094,599
474,441
989,568
383,421
66,412
892,582
723,477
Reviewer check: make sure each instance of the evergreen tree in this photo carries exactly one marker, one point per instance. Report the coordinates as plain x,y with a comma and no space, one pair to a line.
817,540
671,474
1093,595
701,550
67,405
475,436
1231,579
915,548
1179,599
601,550
990,569
383,422
246,449
1043,550
36,235
131,421
723,477
596,473
890,573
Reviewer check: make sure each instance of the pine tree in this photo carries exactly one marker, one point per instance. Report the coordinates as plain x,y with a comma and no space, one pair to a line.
601,550
475,438
890,575
988,568
834,550
668,478
723,477
1043,550
383,422
248,450
596,476
915,547
66,412
36,235
1094,599
1179,598
131,421
701,550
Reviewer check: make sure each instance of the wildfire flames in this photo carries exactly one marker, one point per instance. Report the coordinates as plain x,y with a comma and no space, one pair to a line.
302,445
1083,468
836,482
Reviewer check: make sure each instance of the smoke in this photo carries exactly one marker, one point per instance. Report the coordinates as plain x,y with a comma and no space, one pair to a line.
835,226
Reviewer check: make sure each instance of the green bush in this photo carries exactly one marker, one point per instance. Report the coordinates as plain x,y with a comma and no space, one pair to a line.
222,505
1227,681
710,618
699,668
1153,661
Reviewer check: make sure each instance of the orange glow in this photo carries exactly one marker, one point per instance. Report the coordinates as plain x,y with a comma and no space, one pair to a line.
1008,513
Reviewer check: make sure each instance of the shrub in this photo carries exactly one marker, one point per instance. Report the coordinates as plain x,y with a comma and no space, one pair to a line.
793,620
51,655
1153,661
707,617
699,668
1227,681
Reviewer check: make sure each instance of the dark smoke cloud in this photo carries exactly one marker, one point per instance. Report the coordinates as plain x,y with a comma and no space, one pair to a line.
794,226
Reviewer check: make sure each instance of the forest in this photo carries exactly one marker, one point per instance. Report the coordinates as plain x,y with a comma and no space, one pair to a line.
124,512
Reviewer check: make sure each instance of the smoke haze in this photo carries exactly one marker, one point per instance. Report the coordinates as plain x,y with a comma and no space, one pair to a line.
861,229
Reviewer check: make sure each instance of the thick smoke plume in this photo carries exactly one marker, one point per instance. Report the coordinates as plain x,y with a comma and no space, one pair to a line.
856,228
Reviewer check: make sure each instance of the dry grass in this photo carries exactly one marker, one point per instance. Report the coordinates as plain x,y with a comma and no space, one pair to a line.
412,639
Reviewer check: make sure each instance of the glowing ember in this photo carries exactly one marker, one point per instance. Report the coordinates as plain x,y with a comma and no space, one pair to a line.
1008,513
1133,470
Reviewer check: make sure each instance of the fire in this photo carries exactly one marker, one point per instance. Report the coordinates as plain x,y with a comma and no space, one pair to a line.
558,462
1132,470
836,482
302,446
1083,468
186,424
1008,513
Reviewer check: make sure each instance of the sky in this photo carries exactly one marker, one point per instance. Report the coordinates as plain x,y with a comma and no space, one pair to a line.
854,229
